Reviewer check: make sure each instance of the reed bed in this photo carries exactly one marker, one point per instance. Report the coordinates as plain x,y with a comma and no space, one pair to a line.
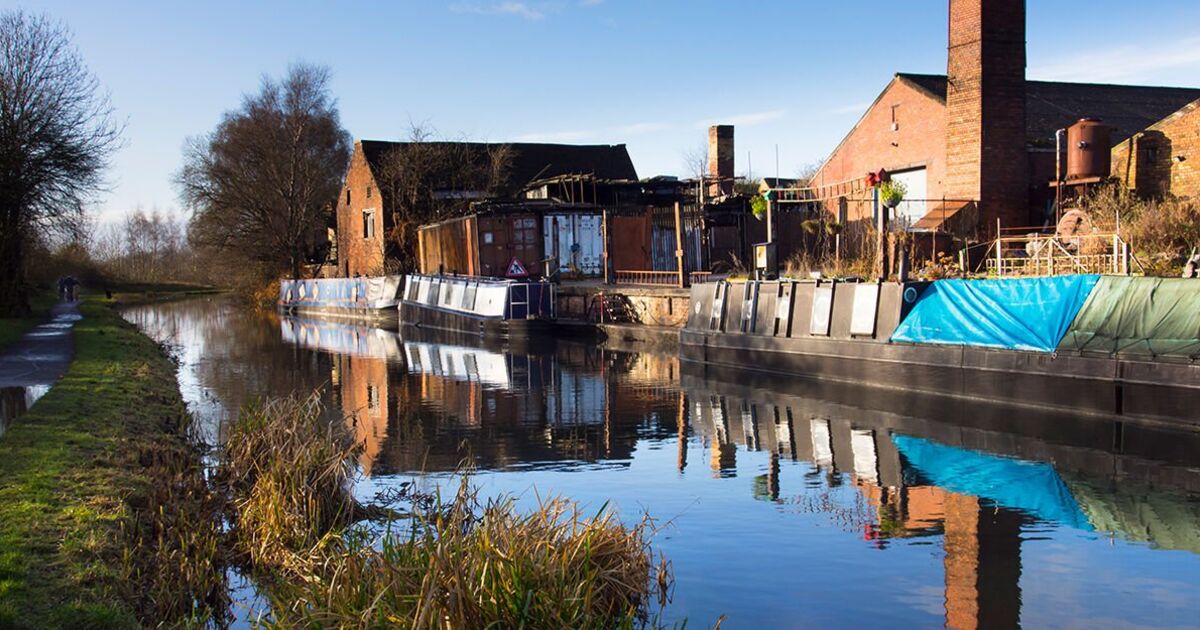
288,473
457,562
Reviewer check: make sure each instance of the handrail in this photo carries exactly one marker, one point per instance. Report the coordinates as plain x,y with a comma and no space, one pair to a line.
1036,254
647,277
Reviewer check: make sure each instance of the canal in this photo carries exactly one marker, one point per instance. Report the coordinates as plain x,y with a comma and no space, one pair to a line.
781,503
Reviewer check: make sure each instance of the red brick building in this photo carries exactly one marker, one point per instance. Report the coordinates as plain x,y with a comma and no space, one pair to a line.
1163,159
978,144
362,224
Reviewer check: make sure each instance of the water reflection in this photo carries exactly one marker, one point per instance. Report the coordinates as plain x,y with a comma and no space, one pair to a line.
968,515
15,401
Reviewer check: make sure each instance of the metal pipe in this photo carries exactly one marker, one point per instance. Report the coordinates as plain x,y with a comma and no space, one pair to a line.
1058,138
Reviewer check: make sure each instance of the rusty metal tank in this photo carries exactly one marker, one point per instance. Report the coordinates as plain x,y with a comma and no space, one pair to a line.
1089,146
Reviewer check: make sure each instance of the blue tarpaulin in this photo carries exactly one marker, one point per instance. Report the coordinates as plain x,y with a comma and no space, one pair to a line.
1031,487
1018,314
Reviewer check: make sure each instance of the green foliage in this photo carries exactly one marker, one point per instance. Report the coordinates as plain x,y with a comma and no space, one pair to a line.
758,206
892,192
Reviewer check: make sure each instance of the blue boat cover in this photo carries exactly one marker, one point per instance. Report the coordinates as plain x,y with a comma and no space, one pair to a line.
1018,314
1031,487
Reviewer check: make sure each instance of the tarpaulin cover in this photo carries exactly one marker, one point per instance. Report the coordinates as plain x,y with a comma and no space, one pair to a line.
1031,487
1018,314
1139,316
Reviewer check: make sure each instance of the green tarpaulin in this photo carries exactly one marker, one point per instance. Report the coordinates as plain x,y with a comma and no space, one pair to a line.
1157,317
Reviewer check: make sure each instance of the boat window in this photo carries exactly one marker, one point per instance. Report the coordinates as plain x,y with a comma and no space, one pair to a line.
468,301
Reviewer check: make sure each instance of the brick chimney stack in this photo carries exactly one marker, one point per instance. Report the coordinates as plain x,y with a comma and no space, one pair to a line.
986,159
720,160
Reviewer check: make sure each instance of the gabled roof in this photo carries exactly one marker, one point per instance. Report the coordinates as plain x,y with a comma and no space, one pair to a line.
1054,105
532,161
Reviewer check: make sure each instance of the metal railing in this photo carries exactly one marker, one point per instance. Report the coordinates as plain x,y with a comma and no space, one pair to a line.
1049,255
648,278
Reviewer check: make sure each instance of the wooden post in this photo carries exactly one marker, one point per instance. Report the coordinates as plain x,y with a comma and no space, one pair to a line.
1116,243
608,264
679,257
881,224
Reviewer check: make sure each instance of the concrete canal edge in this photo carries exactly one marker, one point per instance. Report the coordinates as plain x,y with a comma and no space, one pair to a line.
74,472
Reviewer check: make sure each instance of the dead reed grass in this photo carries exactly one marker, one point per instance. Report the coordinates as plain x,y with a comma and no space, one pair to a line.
471,565
443,563
288,473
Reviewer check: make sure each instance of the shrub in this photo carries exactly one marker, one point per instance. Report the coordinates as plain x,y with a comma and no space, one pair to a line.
1162,232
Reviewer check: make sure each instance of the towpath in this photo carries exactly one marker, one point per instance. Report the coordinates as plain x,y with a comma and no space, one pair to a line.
32,364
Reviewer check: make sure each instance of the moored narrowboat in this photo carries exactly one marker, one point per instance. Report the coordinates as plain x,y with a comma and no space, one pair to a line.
488,307
1106,345
372,300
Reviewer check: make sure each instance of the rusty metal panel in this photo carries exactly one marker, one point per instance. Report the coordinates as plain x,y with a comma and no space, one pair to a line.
630,242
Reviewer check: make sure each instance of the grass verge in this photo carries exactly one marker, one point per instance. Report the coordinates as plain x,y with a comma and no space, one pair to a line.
91,483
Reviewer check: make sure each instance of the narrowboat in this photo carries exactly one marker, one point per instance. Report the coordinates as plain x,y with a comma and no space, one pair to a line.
1106,345
474,305
372,300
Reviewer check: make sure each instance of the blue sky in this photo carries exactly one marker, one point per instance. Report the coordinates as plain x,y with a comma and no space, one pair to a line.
650,74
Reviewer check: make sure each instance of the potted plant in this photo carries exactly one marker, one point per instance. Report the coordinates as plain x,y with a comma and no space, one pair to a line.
891,193
758,206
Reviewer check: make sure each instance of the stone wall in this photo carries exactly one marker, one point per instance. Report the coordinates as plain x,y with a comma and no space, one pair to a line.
650,306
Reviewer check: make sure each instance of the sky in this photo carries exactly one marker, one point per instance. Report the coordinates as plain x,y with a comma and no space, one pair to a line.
792,76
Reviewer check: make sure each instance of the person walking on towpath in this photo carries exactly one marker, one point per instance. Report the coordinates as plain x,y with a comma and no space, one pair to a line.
68,288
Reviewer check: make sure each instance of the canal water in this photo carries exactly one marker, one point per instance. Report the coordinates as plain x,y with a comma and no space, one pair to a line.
781,503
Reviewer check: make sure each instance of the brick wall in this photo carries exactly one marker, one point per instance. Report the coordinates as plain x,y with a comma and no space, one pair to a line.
358,255
918,139
721,159
1147,161
985,109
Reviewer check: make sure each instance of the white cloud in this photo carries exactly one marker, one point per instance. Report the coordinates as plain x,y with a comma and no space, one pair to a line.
1133,63
520,9
745,120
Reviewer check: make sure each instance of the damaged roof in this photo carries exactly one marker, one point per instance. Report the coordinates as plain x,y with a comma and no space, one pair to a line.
1054,105
531,160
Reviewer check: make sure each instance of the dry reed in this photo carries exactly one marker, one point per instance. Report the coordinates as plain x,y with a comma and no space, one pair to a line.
457,563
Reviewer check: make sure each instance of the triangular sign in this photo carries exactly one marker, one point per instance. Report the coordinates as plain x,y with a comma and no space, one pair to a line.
516,269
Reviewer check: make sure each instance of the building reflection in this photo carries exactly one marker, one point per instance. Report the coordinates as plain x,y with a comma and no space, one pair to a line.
891,466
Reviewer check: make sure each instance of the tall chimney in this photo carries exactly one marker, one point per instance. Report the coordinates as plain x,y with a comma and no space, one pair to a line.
986,159
720,160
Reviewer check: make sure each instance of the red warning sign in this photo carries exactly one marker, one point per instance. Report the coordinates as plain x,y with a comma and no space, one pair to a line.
516,269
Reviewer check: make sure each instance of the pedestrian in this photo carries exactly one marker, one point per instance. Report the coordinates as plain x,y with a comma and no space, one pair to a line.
70,286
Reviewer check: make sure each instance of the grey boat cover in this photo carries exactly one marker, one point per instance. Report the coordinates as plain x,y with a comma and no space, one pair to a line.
1151,317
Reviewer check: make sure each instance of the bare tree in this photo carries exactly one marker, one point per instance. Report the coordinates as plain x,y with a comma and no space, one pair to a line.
695,160
56,138
422,181
261,185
